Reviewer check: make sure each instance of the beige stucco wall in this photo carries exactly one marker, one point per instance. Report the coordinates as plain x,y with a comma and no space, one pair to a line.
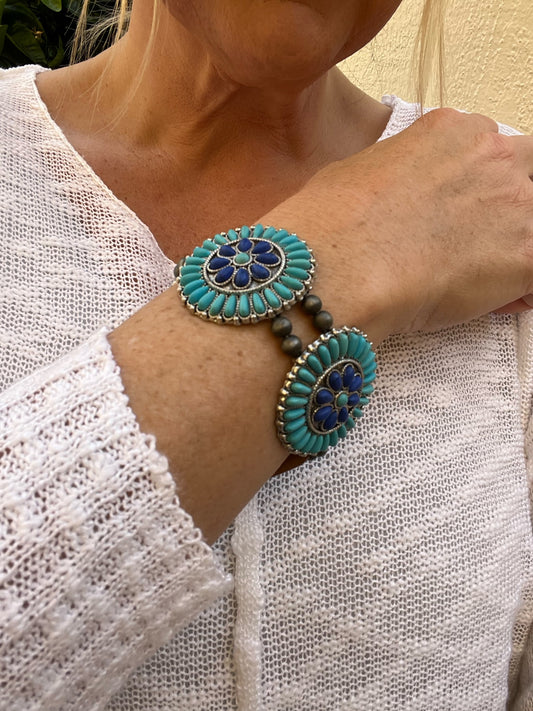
489,67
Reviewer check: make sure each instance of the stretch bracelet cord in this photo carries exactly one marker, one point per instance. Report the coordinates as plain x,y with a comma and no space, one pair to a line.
252,274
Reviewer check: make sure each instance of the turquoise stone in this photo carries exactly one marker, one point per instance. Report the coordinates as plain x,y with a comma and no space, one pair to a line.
192,286
232,235
325,355
280,234
312,441
356,345
356,412
231,306
210,245
300,438
201,252
306,376
272,299
258,230
300,388
363,401
282,291
326,441
333,346
342,432
317,445
244,306
242,258
269,233
343,344
342,400
294,401
370,378
195,260
296,273
294,425
206,300
289,239
350,422
292,283
196,295
368,389
218,239
245,231
300,263
190,269
368,361
333,438
298,254
216,306
258,304
289,415
315,364
295,249
186,279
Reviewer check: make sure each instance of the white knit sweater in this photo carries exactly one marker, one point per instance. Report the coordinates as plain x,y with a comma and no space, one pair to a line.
394,573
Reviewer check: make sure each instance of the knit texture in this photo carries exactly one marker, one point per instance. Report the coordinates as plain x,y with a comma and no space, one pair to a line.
395,572
99,565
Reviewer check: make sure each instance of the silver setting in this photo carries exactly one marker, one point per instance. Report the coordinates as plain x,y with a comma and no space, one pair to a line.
292,376
253,317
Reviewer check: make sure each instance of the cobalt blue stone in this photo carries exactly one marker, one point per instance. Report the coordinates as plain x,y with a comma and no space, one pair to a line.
348,375
356,383
322,413
259,272
242,278
323,396
353,400
218,263
335,380
244,245
227,251
224,275
262,247
331,421
270,258
343,414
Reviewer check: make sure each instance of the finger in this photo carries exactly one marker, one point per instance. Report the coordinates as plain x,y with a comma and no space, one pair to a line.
473,123
515,307
523,148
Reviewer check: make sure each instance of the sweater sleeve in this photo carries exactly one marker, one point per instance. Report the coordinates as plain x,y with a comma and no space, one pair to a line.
99,565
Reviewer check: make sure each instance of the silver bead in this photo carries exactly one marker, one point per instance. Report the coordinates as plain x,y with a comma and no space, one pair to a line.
323,320
292,345
311,304
281,326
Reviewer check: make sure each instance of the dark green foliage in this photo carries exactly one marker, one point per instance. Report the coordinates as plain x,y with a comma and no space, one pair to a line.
41,31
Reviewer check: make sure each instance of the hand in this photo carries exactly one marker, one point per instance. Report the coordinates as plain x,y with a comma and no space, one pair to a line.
424,230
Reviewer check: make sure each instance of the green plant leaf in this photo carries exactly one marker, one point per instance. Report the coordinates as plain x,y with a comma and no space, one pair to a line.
54,5
26,42
3,32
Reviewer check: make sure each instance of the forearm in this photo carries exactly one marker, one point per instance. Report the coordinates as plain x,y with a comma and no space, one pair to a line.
209,392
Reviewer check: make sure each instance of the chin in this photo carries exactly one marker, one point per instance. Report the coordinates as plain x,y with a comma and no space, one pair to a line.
281,42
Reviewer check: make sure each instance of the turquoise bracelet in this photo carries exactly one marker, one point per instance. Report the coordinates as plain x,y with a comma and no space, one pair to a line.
251,274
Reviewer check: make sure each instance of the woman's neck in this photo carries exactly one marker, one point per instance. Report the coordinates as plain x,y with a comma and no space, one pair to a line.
178,103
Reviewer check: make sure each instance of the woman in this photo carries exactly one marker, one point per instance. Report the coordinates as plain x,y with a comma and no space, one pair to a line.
393,571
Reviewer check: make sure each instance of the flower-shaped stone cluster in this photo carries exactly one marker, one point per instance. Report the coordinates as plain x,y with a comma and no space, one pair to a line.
338,394
246,275
326,390
244,262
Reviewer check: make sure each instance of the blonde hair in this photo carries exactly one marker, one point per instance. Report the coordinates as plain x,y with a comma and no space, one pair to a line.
428,55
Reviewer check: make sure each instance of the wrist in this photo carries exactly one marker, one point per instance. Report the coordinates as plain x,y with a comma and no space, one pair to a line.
352,295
